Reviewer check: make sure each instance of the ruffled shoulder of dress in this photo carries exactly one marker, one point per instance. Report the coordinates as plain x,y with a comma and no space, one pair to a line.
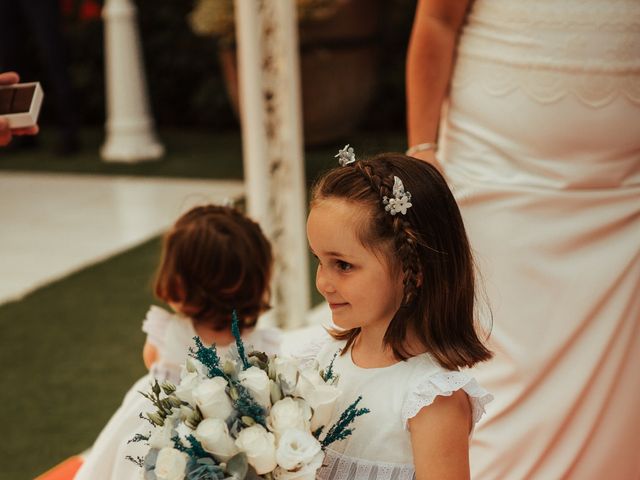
444,383
310,342
155,324
267,340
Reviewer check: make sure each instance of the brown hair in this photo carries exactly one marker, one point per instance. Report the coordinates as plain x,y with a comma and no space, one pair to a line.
431,246
215,260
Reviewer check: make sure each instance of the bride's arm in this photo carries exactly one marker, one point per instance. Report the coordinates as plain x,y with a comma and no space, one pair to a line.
430,57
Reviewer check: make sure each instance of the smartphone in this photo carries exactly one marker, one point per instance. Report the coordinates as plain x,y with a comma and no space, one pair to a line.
20,103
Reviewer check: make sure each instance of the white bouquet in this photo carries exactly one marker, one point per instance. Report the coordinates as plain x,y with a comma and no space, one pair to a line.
246,416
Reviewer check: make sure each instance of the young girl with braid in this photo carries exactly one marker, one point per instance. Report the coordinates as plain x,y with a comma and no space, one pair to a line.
395,266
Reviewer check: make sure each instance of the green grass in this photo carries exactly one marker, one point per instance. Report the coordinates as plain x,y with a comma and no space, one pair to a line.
70,350
190,154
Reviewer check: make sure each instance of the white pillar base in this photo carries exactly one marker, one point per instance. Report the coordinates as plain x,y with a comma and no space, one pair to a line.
130,152
131,144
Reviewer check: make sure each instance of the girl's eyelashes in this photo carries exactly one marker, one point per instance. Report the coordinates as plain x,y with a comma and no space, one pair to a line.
343,266
340,264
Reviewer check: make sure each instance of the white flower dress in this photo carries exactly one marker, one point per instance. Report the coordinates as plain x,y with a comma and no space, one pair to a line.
380,446
172,335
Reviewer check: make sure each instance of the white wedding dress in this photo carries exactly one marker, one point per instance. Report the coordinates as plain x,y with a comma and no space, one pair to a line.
541,144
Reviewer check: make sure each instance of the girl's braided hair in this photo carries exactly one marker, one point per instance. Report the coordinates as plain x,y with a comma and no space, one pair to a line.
430,246
404,238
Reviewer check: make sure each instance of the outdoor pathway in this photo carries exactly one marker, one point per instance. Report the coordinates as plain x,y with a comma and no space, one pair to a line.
54,224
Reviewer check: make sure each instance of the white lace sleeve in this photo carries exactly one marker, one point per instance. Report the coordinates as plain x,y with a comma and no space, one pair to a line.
444,384
155,325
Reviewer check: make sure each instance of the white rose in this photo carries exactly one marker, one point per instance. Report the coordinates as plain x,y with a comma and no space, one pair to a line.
287,369
212,398
260,448
170,464
276,392
214,436
257,382
189,382
323,402
185,412
321,397
193,365
287,414
161,436
308,380
306,472
312,375
297,448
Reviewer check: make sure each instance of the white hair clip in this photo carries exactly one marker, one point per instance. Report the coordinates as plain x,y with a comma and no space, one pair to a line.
346,155
401,200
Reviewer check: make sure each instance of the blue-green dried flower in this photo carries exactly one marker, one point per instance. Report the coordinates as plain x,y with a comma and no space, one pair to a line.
340,429
208,357
235,329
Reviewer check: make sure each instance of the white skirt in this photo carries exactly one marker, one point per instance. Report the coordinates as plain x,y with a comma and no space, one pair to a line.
107,459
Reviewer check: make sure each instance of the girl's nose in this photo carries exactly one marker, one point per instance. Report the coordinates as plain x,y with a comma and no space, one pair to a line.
323,284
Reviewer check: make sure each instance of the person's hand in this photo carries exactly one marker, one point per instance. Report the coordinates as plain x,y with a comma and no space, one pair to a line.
6,133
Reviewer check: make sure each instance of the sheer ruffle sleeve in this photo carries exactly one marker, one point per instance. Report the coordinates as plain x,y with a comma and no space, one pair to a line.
155,325
309,343
267,340
425,391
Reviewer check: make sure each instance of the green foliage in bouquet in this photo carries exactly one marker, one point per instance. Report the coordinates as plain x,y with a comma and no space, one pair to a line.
340,430
207,357
327,374
164,406
250,412
235,330
194,450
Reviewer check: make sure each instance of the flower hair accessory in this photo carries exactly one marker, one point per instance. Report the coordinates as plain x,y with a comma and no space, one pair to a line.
345,156
401,200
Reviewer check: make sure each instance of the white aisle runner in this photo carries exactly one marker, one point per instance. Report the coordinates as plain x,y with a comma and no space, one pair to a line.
52,224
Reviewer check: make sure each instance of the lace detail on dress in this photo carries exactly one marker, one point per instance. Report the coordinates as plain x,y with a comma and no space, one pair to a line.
546,86
550,49
341,467
444,384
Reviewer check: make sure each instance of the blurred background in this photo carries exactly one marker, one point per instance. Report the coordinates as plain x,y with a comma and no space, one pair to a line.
81,237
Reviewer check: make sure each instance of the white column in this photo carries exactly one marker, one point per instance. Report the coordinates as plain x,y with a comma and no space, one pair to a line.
130,135
269,76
